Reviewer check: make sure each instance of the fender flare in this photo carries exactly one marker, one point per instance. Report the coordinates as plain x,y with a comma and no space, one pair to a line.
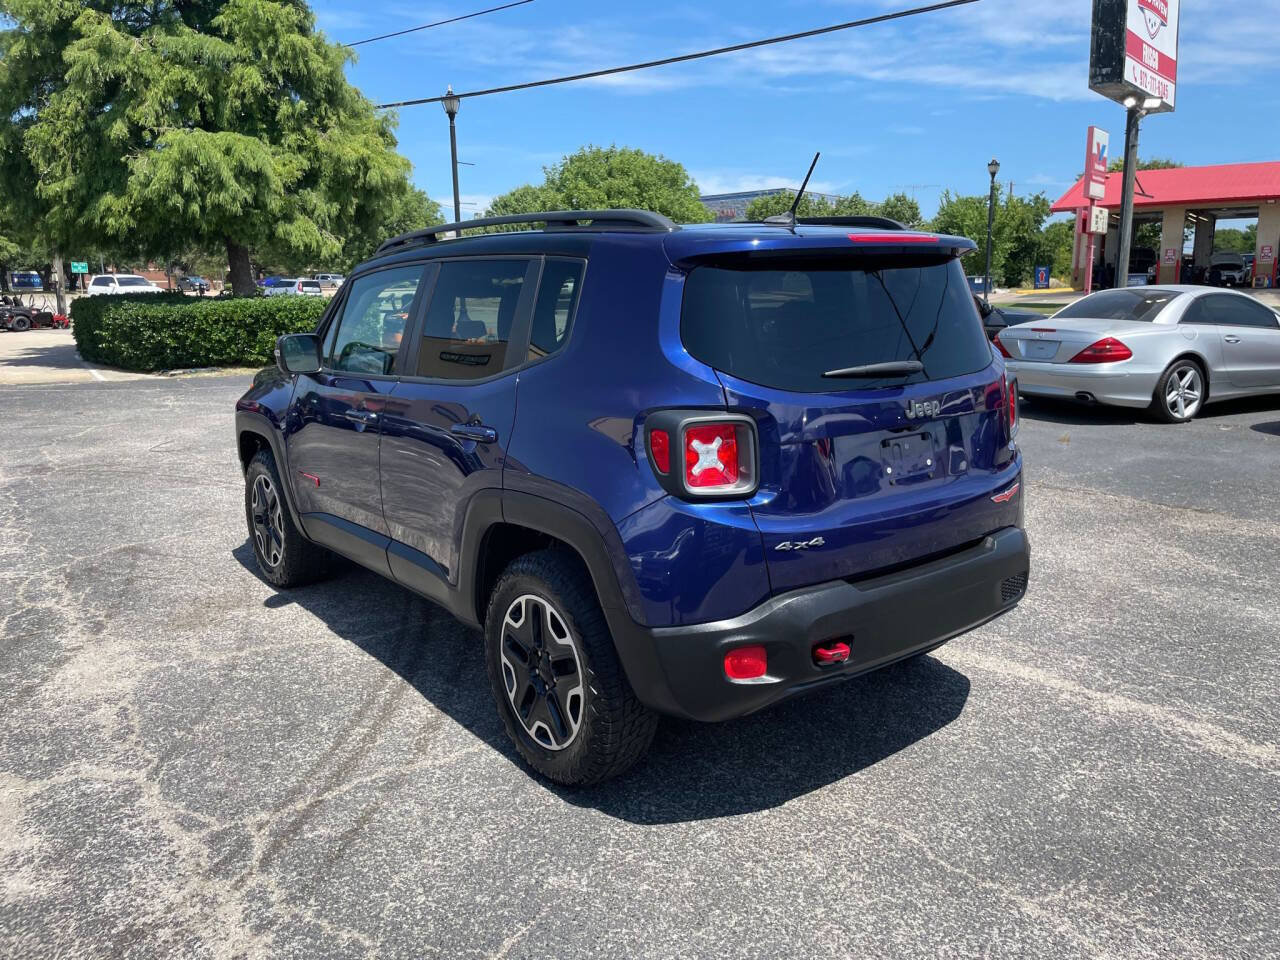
248,421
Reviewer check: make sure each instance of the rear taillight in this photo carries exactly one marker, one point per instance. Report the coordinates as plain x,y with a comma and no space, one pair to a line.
714,456
1004,351
1013,408
1109,350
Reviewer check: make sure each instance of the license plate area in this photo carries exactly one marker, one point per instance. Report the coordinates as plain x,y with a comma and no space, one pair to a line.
910,458
1040,349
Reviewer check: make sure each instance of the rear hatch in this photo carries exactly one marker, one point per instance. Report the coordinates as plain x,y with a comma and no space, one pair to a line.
860,474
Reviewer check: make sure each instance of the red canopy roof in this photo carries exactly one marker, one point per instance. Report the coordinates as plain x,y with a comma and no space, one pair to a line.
1231,184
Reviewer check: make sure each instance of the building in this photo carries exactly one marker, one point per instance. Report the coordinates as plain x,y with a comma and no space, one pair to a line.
729,207
1187,199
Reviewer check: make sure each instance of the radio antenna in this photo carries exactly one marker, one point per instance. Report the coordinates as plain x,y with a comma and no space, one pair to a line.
788,219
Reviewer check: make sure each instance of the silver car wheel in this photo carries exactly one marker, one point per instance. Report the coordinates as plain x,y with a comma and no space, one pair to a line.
542,672
268,521
1184,391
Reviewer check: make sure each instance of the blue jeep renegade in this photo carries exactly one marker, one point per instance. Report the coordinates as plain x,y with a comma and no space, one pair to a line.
666,470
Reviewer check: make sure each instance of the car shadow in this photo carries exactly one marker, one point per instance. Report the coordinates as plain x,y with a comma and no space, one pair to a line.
694,770
1271,429
1075,413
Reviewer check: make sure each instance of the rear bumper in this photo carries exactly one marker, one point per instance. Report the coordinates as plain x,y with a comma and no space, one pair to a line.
1121,384
883,620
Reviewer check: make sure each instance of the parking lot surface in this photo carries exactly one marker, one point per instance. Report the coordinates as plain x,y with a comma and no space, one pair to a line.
194,765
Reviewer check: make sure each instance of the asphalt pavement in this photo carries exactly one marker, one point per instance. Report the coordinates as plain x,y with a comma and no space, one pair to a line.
195,765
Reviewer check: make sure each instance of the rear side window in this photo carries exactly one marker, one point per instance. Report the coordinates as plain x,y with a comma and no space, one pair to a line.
1230,310
784,325
557,299
1131,304
469,320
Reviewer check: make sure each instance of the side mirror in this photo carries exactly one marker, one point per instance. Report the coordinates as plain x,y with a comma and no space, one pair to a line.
298,353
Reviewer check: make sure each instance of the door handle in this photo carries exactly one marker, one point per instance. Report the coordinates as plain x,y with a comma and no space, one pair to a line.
475,431
366,417
1232,339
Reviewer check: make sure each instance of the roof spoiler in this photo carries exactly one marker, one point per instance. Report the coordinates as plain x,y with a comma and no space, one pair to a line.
628,221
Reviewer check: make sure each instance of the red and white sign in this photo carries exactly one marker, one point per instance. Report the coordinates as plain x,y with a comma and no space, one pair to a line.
1266,253
1170,256
1097,154
1098,220
1151,47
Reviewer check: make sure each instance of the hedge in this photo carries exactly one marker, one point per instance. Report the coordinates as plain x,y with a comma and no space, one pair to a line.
148,332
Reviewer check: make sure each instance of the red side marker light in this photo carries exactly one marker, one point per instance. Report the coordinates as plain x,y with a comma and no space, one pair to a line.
311,476
746,663
660,447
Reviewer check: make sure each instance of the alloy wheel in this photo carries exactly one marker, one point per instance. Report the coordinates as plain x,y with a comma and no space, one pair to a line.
542,671
1184,391
268,520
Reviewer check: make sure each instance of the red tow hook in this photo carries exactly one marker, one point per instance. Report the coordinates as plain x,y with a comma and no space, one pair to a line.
830,654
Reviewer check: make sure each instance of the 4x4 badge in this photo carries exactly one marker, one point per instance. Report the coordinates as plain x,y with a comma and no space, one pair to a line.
802,544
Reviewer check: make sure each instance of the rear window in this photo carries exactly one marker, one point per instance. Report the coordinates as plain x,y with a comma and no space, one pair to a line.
1136,305
783,325
311,284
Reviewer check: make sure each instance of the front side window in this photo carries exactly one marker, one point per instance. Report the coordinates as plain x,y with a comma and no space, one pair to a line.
469,320
373,320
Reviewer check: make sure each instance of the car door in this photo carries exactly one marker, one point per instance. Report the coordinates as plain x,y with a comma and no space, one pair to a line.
1250,335
333,435
448,421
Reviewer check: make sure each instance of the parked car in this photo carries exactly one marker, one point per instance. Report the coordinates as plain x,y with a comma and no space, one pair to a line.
746,460
117,283
1228,270
26,281
995,319
193,284
1172,349
1142,267
303,287
329,279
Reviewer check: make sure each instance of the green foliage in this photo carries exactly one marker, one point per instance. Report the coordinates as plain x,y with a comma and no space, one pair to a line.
412,211
158,126
902,208
1231,240
168,332
1152,163
609,178
1018,245
1056,245
898,207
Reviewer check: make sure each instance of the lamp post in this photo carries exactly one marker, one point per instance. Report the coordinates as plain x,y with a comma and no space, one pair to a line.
451,103
1136,110
993,168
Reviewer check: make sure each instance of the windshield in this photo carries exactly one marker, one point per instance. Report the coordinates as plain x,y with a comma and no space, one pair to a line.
784,324
1134,304
133,282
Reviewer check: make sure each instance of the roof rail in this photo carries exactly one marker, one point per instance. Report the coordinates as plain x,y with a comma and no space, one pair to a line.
884,223
633,221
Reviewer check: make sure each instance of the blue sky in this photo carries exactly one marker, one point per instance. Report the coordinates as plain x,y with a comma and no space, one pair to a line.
925,102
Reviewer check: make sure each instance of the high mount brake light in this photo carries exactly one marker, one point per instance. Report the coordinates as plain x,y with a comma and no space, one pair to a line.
699,455
1107,350
892,239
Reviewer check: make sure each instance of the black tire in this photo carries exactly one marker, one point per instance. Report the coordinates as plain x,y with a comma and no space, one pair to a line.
21,323
285,557
1169,412
613,729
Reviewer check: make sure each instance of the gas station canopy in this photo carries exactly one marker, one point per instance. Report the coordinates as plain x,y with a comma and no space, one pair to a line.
1229,185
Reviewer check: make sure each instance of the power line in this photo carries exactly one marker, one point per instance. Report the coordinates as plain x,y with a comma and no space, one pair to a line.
683,58
440,23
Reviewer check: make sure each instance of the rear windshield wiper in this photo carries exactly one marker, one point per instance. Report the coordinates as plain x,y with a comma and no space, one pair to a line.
872,371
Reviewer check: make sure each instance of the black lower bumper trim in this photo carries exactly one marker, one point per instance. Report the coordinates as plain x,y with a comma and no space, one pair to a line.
883,620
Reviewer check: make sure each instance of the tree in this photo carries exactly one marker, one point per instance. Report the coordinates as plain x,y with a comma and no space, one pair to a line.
1152,163
609,178
169,124
1057,241
902,208
413,210
811,205
1018,245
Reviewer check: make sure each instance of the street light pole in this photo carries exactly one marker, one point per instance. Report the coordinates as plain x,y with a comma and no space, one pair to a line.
1132,124
993,168
451,103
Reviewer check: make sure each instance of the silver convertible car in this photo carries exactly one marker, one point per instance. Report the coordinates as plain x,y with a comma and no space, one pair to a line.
1172,349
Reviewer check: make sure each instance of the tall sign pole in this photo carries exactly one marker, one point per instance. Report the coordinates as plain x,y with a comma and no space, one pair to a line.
1133,60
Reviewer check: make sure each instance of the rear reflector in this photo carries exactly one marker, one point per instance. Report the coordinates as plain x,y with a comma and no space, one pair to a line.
746,663
1004,351
660,447
1008,494
1109,350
